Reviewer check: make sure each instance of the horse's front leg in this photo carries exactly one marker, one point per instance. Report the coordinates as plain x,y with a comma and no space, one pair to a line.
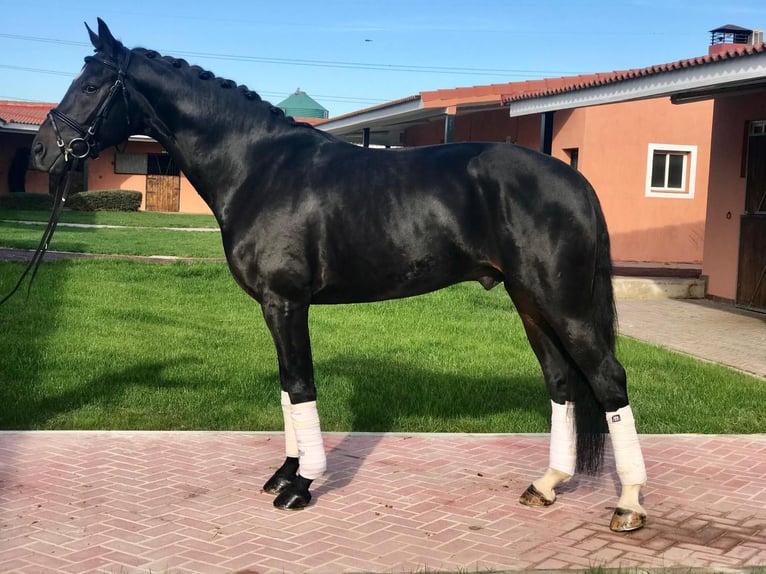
306,461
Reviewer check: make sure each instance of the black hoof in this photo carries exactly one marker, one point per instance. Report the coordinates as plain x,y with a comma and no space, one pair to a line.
283,477
292,500
295,496
277,484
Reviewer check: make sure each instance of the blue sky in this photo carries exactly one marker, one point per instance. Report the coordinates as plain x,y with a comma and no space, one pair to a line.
351,54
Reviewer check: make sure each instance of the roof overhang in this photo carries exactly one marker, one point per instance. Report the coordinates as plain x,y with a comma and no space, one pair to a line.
685,84
15,128
386,123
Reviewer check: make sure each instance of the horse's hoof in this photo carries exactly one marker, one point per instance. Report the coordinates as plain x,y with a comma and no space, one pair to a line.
533,497
277,484
292,499
624,520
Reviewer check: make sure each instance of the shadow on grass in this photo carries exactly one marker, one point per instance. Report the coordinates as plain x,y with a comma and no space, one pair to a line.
420,395
107,389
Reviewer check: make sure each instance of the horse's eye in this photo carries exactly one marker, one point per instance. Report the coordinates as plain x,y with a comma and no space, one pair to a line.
90,89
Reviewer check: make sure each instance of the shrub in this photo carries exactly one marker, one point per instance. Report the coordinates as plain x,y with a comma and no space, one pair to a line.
26,201
107,200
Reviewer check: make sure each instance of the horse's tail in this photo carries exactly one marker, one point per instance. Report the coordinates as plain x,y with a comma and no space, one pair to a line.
590,418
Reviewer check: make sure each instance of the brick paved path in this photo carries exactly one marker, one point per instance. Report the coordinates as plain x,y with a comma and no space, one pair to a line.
712,331
170,503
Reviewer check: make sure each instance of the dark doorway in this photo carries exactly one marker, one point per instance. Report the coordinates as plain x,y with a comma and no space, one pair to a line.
751,275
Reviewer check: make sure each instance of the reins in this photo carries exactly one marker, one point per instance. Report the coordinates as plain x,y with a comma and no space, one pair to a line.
34,263
73,152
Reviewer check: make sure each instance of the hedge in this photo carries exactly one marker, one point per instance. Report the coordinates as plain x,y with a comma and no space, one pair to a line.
107,200
26,201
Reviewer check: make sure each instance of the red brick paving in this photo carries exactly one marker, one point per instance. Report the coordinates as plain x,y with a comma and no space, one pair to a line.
173,503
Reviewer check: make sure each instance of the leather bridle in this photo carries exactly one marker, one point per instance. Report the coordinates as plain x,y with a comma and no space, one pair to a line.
78,148
87,144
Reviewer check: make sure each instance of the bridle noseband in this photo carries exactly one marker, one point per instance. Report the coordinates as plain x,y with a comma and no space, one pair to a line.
86,144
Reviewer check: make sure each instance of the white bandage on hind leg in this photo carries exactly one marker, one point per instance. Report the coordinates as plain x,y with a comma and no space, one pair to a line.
627,449
291,443
563,448
308,435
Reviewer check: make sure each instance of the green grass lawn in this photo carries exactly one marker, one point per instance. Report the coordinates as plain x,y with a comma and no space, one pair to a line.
106,344
128,241
131,219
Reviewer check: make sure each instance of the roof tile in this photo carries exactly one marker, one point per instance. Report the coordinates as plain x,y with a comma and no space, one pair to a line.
574,83
29,113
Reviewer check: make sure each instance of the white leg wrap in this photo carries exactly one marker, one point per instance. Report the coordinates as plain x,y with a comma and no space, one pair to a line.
563,448
308,435
627,450
291,443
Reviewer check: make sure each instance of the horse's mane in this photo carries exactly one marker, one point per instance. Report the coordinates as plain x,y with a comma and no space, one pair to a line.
224,84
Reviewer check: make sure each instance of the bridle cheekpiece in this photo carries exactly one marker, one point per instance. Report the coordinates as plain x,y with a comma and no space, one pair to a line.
87,143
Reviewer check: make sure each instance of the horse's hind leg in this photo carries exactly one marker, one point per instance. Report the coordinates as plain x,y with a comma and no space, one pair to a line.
555,367
288,323
607,378
573,356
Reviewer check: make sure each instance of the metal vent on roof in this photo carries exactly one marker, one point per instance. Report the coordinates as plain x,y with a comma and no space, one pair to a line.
730,34
301,105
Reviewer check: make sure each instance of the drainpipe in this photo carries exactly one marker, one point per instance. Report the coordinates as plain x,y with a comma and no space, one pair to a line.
366,137
546,132
449,125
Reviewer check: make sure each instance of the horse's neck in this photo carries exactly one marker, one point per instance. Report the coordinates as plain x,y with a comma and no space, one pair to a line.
202,125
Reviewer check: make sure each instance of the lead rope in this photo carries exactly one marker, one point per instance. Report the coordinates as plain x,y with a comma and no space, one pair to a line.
34,263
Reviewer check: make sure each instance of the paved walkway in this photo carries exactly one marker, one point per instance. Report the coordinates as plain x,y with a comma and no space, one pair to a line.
172,503
712,331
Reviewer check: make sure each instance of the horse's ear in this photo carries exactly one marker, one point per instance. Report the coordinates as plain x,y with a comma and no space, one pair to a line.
108,43
104,41
94,39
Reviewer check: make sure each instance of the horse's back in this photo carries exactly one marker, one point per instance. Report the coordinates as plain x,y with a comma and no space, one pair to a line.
355,224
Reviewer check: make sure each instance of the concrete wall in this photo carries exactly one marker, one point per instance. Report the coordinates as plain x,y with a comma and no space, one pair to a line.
726,198
613,145
493,126
613,142
101,176
9,143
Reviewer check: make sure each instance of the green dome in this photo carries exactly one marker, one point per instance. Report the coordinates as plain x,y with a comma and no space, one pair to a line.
300,105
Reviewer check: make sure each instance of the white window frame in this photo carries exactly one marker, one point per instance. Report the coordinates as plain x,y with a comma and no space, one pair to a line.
688,178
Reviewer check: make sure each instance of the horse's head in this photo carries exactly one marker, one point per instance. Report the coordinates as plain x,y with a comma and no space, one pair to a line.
94,112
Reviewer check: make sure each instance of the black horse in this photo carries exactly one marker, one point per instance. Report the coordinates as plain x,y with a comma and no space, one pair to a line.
306,218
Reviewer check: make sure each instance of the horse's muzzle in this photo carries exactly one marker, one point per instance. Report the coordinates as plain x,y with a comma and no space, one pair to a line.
46,158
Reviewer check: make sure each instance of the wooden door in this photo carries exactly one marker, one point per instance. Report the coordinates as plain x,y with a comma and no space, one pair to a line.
751,276
163,192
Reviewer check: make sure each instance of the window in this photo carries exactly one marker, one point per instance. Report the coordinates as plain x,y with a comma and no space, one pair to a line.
161,164
145,164
574,157
671,170
133,163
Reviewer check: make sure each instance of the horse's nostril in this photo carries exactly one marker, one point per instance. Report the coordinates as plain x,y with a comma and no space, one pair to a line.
39,148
